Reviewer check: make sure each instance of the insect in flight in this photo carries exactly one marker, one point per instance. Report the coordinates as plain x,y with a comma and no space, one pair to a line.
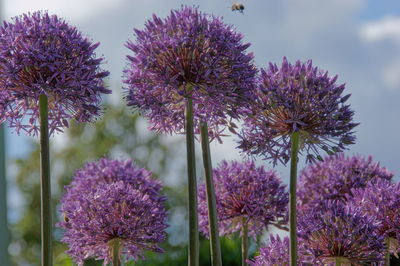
238,7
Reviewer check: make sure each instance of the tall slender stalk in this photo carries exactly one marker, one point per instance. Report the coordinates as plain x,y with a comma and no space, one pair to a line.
115,246
292,198
45,196
215,246
387,251
192,187
4,232
245,242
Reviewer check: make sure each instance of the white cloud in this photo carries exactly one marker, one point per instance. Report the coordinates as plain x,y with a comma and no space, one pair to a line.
384,29
75,10
384,35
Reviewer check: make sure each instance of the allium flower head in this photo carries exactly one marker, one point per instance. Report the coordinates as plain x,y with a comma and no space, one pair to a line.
189,54
42,54
108,171
381,199
336,176
335,230
118,201
276,253
302,98
244,193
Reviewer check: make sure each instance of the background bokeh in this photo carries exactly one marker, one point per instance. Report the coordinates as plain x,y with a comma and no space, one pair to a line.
357,39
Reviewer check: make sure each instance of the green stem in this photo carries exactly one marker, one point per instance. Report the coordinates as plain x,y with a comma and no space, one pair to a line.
45,196
245,242
337,262
216,257
387,251
4,232
115,249
192,187
292,198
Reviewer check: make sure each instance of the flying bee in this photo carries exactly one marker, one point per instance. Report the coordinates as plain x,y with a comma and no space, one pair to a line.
238,7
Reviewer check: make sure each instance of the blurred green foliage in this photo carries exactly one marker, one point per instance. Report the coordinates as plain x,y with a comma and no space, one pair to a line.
119,134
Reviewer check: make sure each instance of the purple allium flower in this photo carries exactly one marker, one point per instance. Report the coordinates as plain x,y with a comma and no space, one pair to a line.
108,171
335,177
300,98
335,230
276,253
381,199
189,54
108,200
244,193
42,54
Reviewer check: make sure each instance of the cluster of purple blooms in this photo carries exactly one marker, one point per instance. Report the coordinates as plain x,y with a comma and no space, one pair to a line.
276,253
301,98
108,200
42,54
336,177
381,199
336,230
245,194
348,205
348,212
189,55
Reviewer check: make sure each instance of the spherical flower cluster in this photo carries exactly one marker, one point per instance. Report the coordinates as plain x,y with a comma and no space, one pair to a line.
244,194
297,98
109,200
336,176
107,171
381,199
42,54
337,231
189,55
276,253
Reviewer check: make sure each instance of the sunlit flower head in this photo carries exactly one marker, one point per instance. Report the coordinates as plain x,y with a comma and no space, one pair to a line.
114,204
297,97
42,54
247,194
194,55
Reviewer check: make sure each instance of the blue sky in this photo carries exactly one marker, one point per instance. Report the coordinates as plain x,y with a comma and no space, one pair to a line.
357,39
376,9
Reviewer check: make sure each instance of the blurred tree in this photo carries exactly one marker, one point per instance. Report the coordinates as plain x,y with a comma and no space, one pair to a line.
118,135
